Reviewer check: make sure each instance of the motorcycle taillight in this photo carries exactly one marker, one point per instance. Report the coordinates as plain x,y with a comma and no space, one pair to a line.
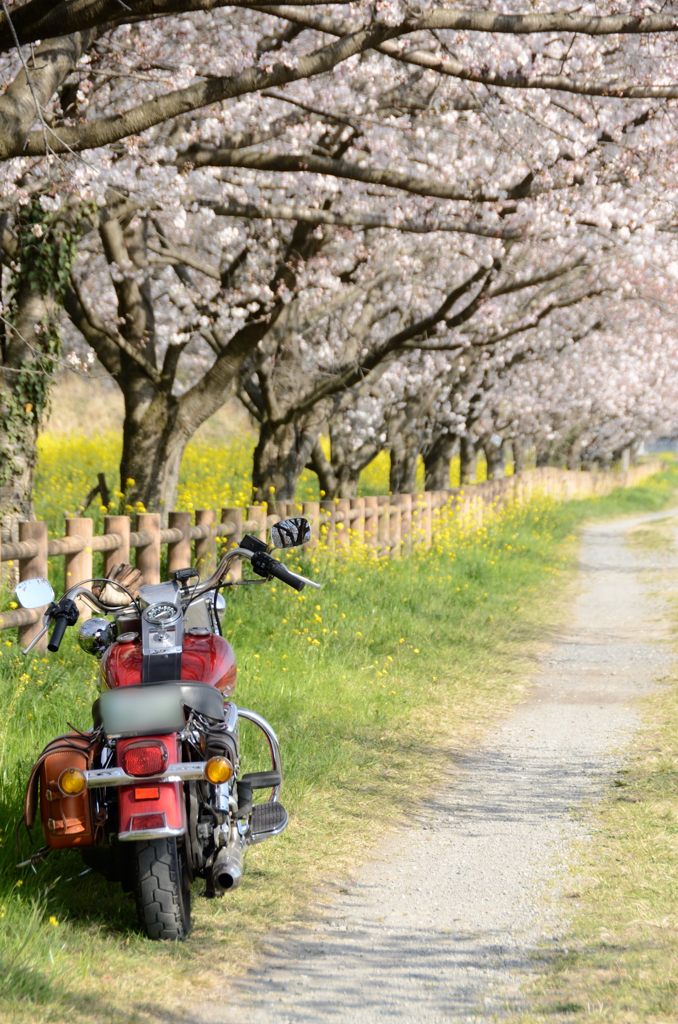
145,758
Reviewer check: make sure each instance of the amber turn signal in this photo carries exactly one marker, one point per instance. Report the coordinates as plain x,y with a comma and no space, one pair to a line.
218,770
72,782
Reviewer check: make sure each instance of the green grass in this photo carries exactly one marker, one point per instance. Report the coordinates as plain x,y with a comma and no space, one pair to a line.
369,684
622,947
620,954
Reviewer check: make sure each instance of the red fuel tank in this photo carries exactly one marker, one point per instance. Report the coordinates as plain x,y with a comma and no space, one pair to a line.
205,659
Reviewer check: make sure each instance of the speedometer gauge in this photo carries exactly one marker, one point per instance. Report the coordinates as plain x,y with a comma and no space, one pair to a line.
160,614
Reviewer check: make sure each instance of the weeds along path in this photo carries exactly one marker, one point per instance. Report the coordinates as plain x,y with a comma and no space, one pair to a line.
441,925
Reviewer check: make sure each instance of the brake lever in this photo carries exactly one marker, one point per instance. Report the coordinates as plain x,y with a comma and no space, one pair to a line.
36,639
309,583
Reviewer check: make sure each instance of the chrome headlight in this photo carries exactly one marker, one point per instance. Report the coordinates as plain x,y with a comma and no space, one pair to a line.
95,635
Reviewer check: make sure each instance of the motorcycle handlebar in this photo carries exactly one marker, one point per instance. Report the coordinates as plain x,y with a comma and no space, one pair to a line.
65,614
266,566
215,580
60,625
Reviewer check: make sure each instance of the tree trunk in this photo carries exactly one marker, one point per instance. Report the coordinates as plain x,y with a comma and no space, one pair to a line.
437,458
335,481
403,473
573,460
281,454
347,461
319,464
468,460
518,452
27,362
18,437
495,461
154,439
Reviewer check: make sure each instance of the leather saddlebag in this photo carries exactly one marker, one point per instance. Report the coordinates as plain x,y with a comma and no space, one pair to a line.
67,821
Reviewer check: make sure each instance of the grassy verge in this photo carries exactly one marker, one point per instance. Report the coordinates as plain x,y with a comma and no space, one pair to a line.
369,685
621,955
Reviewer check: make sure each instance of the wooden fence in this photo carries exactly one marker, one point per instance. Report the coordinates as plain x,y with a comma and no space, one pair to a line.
387,525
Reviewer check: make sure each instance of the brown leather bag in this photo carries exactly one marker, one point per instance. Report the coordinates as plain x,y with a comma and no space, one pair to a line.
67,821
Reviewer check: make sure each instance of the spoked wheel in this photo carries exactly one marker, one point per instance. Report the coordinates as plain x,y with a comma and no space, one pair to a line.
163,889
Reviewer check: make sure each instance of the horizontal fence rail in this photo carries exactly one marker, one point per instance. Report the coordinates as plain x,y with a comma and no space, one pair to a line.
388,526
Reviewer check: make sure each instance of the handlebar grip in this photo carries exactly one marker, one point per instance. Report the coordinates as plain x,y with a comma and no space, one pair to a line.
60,624
285,576
66,614
266,566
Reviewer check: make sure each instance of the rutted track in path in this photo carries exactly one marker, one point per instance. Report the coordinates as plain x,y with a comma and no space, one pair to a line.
441,924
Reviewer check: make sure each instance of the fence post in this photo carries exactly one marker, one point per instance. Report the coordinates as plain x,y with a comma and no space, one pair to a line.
258,513
148,556
234,515
179,551
406,522
311,511
121,526
372,523
78,566
383,530
417,529
29,569
206,549
357,522
479,510
281,509
327,510
427,520
343,523
395,527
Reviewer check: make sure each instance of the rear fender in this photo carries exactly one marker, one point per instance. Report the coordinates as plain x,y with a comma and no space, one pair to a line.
151,809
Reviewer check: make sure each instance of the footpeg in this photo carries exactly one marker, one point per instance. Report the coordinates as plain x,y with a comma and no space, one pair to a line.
262,780
267,820
252,781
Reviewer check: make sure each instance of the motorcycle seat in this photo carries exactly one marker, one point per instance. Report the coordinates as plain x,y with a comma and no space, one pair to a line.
133,709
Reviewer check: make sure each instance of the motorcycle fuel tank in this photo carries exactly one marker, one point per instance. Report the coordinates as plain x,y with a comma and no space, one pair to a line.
206,658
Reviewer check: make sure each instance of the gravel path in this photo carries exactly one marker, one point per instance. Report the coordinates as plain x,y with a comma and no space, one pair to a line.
441,924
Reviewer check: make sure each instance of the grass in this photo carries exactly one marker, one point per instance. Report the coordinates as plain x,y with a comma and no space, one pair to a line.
621,951
370,683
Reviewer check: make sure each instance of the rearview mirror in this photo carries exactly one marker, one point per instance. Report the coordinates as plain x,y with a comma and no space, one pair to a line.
34,593
290,533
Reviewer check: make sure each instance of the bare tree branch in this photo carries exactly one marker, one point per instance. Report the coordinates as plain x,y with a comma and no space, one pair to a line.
41,19
515,80
205,156
50,65
162,108
181,101
311,215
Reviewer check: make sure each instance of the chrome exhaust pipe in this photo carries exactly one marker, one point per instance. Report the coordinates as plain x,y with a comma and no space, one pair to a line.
227,868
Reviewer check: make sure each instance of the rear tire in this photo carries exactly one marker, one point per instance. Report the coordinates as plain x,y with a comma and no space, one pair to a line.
162,889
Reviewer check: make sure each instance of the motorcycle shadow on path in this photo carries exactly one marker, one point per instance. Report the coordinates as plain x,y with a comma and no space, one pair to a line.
449,977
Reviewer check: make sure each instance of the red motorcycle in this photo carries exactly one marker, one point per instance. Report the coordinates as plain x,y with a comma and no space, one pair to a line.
153,795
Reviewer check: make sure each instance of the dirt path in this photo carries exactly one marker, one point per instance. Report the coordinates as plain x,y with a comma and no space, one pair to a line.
442,923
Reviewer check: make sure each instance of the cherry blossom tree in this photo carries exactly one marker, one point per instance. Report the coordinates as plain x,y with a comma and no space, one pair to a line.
292,196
